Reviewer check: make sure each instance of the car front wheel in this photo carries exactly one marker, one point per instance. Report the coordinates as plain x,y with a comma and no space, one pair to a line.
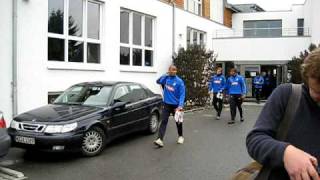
93,142
153,123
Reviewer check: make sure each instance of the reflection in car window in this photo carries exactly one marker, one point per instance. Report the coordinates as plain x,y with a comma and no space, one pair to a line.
122,95
137,93
88,95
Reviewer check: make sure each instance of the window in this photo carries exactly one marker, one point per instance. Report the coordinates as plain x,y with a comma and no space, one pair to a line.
74,31
137,93
122,95
300,25
196,37
136,39
262,28
194,6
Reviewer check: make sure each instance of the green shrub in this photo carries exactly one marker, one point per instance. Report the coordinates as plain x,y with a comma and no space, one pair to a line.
294,66
195,67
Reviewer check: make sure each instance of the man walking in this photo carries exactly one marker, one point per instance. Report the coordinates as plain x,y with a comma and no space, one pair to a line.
173,101
236,90
258,82
297,156
216,86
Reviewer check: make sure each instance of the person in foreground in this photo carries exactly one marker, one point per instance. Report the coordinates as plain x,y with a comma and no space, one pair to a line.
173,101
297,157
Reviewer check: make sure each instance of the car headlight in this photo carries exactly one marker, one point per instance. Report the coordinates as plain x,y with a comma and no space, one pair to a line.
61,128
14,125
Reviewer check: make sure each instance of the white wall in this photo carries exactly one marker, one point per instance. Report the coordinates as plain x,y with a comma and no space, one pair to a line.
216,10
315,22
289,18
185,19
6,58
259,49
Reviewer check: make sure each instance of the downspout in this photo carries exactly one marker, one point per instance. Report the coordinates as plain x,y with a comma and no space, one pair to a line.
14,58
174,55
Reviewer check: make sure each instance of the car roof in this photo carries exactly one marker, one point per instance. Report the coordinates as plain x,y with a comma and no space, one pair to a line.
103,83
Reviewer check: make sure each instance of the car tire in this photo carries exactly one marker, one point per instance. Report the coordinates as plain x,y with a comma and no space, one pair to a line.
93,142
154,123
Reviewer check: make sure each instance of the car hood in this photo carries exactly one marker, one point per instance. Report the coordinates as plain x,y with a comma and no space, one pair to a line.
57,113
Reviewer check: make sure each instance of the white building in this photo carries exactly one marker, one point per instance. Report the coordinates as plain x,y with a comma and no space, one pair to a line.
266,41
48,45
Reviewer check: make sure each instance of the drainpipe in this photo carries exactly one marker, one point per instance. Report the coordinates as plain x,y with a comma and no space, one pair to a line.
14,58
174,55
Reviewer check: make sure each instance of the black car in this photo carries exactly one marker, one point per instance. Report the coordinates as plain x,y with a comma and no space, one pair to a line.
4,137
86,117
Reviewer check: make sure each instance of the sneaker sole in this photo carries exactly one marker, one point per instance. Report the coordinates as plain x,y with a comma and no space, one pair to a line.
158,145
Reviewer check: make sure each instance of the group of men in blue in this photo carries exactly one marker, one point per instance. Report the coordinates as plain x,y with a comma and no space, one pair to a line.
174,97
234,88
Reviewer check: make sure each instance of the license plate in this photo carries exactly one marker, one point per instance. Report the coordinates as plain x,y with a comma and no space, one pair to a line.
25,140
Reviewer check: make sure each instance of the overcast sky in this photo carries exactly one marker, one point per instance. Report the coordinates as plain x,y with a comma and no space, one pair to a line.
270,5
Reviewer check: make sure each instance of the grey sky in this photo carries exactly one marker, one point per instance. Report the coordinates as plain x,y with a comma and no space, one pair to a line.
270,5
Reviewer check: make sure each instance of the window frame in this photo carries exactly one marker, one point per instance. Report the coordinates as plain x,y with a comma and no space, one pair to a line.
190,40
84,37
254,30
143,46
197,5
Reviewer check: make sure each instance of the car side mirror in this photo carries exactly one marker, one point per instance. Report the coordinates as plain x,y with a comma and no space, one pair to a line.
117,106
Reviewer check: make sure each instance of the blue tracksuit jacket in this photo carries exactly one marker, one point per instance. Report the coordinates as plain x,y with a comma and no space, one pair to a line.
217,83
258,82
173,90
236,85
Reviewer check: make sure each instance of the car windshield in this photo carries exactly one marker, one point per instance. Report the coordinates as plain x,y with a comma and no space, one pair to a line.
85,95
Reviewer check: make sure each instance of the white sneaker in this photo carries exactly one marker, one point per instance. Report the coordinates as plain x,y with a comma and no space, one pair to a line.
158,142
180,140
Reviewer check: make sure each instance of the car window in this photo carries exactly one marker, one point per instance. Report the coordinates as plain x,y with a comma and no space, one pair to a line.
137,93
85,94
122,95
97,96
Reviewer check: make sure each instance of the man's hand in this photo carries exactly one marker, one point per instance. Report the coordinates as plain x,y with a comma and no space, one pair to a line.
299,164
179,109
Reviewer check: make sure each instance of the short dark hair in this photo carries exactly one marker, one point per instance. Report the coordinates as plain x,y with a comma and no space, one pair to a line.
233,70
311,66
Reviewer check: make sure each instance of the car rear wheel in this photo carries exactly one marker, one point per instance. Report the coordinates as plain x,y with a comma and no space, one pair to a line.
93,142
153,123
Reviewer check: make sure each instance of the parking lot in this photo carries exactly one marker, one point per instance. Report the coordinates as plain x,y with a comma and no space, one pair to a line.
212,151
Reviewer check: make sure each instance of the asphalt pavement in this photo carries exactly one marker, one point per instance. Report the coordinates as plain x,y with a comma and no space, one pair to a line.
213,150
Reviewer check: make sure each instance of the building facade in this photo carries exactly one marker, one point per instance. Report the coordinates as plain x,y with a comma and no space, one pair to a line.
264,41
49,45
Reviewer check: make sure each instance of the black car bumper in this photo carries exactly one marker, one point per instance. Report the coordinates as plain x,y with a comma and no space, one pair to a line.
47,142
5,143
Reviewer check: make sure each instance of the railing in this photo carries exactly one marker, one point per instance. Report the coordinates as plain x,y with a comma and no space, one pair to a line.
261,33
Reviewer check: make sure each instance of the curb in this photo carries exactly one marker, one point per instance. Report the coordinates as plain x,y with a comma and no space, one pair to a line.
11,174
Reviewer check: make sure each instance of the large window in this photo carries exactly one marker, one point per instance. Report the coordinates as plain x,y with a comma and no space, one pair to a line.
74,31
194,6
196,37
136,39
262,28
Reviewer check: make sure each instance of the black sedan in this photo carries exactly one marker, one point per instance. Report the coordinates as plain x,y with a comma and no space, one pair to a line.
87,116
4,137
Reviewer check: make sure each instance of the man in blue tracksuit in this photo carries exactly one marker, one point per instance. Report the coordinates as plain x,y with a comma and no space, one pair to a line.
216,86
258,82
173,100
236,89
